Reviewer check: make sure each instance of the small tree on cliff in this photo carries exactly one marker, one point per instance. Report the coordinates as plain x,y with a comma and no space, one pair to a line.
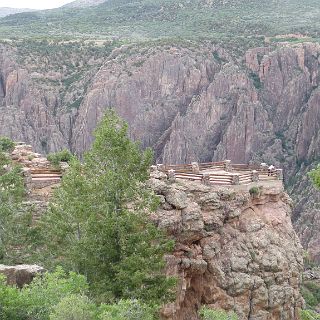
315,176
98,222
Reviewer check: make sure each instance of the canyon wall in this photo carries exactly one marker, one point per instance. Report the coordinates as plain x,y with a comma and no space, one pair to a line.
234,251
189,103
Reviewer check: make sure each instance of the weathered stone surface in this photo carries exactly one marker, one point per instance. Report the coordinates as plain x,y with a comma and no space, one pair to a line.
20,275
233,252
178,199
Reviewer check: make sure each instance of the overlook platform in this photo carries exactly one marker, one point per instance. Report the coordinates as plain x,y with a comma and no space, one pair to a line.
221,173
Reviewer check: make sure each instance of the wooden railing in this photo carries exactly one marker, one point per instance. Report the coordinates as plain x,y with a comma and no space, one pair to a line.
221,173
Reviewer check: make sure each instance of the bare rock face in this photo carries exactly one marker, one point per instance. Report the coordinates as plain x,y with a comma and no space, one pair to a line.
233,251
25,156
188,104
149,91
20,275
26,111
193,107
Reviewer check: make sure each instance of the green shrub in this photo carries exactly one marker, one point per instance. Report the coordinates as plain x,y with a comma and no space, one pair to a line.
37,300
127,310
315,176
309,315
6,145
46,291
10,302
4,160
61,156
74,307
309,298
59,296
256,80
311,293
211,314
254,191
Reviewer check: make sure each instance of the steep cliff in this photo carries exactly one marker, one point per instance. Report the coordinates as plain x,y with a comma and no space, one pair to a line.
193,101
233,251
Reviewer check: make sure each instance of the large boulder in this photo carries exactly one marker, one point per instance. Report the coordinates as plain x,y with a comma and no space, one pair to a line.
20,275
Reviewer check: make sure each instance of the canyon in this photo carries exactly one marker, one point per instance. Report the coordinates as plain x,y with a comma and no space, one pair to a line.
234,250
189,102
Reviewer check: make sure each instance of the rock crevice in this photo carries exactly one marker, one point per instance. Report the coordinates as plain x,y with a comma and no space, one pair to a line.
233,251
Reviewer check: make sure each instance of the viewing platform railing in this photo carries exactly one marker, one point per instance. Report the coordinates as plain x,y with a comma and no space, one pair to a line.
221,173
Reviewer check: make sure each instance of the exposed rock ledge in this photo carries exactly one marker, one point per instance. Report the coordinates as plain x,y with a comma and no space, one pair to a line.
233,251
21,274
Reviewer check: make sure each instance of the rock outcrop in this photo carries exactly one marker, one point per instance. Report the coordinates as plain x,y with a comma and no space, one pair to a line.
233,251
189,103
20,275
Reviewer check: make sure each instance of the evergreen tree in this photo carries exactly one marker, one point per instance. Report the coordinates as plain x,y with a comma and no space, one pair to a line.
98,222
13,218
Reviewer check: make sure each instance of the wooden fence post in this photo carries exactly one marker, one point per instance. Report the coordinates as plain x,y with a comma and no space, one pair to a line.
195,167
235,179
279,173
206,179
255,176
264,167
171,176
227,165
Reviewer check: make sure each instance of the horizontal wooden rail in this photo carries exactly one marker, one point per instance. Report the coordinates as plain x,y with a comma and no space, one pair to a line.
223,172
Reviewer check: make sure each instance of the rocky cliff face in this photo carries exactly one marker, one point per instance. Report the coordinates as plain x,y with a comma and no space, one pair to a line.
26,110
233,251
190,103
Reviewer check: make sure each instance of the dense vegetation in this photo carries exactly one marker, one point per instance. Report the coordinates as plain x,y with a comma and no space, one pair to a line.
140,20
14,218
64,296
98,226
6,145
60,156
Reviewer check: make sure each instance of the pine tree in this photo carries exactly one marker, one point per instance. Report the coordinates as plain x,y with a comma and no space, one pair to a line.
98,222
13,218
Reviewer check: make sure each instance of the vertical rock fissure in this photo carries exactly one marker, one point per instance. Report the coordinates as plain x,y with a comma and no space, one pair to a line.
251,303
